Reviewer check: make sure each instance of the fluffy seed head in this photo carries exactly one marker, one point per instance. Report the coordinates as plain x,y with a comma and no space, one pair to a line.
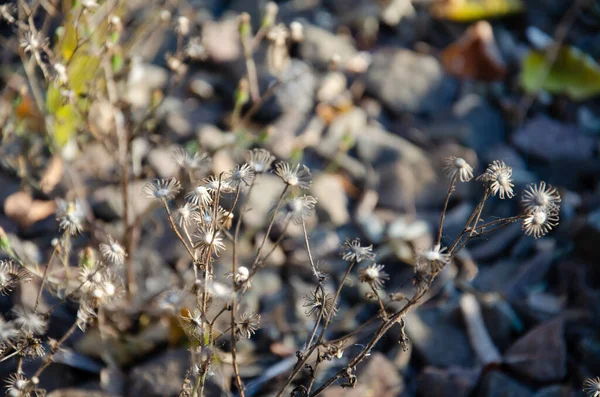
113,252
591,387
248,325
499,177
539,221
458,165
29,321
70,216
240,176
353,251
10,275
294,176
541,195
162,189
373,275
259,160
299,208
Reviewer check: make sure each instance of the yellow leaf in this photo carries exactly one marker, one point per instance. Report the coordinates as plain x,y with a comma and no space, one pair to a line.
66,120
52,99
574,74
473,10
81,71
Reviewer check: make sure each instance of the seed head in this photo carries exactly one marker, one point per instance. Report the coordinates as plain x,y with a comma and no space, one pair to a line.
184,216
458,165
33,42
539,221
433,260
498,176
299,208
353,251
200,196
373,275
208,240
174,300
10,275
239,176
29,321
541,195
162,189
248,325
241,276
193,322
113,252
591,387
319,300
8,332
70,216
298,176
17,385
213,185
188,161
260,160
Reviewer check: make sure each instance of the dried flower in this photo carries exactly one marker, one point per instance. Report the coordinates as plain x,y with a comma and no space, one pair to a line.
498,175
299,208
373,275
10,275
241,276
298,176
184,216
591,387
213,185
353,251
17,385
458,165
30,346
541,195
61,73
208,240
206,216
162,189
7,331
397,296
193,323
32,42
260,160
174,300
29,321
539,221
188,161
319,301
200,196
90,4
70,216
433,260
240,175
248,325
113,252
183,26
333,350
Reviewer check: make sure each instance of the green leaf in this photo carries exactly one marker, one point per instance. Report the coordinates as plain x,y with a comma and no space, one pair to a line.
474,10
66,121
53,99
574,74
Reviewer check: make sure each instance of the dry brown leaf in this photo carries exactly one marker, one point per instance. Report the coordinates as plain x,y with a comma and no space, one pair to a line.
21,208
475,55
52,174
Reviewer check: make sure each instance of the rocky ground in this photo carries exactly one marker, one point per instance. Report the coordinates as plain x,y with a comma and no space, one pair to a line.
372,101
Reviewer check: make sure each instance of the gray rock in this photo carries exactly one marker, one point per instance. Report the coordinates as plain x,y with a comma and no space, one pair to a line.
406,81
554,391
451,382
222,40
298,88
142,80
350,124
496,384
319,46
107,203
437,337
162,162
540,355
332,200
264,196
550,140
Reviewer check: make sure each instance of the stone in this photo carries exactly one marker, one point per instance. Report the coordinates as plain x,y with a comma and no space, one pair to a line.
551,140
320,46
540,355
496,384
450,382
221,39
163,163
332,201
107,203
407,81
438,338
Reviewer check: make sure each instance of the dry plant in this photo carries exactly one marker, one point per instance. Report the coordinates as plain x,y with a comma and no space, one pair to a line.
104,280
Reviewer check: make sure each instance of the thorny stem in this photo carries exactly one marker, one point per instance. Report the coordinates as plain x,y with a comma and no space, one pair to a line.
443,215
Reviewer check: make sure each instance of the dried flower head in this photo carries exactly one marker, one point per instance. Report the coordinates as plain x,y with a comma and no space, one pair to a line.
184,216
260,160
213,185
248,325
458,166
200,196
299,208
162,189
541,195
298,176
193,322
433,260
188,161
333,350
7,331
70,216
539,221
10,275
353,251
61,73
174,300
498,177
241,276
591,387
17,385
29,321
207,239
319,301
373,275
113,252
205,217
31,347
239,176
33,42
183,26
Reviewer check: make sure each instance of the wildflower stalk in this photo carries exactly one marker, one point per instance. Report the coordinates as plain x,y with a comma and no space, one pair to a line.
176,230
262,244
45,275
55,348
443,215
